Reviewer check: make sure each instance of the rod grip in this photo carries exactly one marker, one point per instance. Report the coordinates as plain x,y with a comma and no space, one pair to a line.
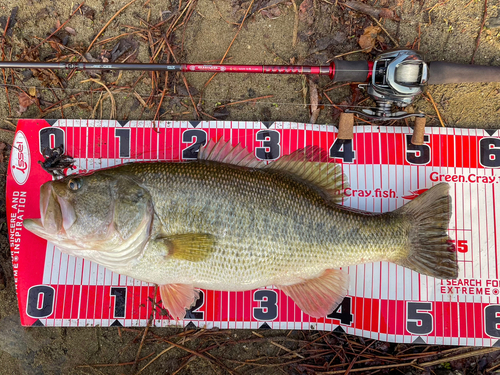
349,71
445,72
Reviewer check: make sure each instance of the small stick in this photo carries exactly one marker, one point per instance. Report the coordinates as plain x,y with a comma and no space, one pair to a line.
7,136
6,89
215,361
232,41
107,24
6,27
142,342
115,364
170,28
373,368
385,31
96,105
372,11
210,116
183,79
356,358
459,356
155,358
348,53
295,24
68,105
116,37
245,101
59,28
111,97
220,14
478,39
337,87
435,107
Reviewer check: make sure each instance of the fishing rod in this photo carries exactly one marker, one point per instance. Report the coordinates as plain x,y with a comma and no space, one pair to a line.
394,78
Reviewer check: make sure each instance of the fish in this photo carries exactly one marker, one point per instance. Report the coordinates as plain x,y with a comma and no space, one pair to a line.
229,222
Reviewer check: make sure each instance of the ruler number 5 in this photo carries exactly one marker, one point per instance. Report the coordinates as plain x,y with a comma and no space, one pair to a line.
419,319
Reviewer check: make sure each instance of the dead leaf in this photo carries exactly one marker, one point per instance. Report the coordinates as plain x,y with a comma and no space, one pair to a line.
271,13
86,11
306,12
70,30
368,39
32,91
24,101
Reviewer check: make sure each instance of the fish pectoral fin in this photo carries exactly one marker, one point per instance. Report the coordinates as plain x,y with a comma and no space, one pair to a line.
320,296
177,298
194,247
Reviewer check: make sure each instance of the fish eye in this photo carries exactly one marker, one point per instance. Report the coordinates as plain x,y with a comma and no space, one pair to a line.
74,184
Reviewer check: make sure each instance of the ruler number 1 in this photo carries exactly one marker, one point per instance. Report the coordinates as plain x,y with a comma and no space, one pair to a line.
123,136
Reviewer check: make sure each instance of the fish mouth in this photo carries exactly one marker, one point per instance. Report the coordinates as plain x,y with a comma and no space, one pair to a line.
56,214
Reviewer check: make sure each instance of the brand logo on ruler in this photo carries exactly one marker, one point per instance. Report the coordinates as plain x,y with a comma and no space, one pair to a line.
20,159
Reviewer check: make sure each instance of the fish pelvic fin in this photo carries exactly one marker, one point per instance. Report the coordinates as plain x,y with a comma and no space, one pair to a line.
193,247
308,164
430,250
177,298
320,296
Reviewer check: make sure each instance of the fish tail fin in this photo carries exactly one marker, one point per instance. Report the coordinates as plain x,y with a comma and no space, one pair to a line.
430,250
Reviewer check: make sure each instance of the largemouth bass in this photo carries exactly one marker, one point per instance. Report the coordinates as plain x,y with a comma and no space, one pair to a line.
227,222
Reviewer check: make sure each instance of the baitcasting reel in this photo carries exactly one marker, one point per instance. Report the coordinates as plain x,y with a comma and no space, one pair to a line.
395,79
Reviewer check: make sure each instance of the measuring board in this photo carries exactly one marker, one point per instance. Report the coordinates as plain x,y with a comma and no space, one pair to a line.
385,171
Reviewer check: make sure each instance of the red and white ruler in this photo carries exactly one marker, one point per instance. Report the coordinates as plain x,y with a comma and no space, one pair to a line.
385,171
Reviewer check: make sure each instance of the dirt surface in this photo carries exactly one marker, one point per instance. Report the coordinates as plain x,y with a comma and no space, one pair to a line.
202,31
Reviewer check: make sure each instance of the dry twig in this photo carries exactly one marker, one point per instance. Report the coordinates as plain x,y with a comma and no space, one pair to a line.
436,109
478,39
232,41
59,28
107,24
112,114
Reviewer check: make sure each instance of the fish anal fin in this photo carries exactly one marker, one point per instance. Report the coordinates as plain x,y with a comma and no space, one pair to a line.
177,298
193,247
311,165
320,296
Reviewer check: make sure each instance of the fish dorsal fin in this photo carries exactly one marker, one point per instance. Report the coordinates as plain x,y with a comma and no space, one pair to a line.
223,152
310,165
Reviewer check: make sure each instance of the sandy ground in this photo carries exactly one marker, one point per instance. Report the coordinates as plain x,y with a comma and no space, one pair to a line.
442,30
